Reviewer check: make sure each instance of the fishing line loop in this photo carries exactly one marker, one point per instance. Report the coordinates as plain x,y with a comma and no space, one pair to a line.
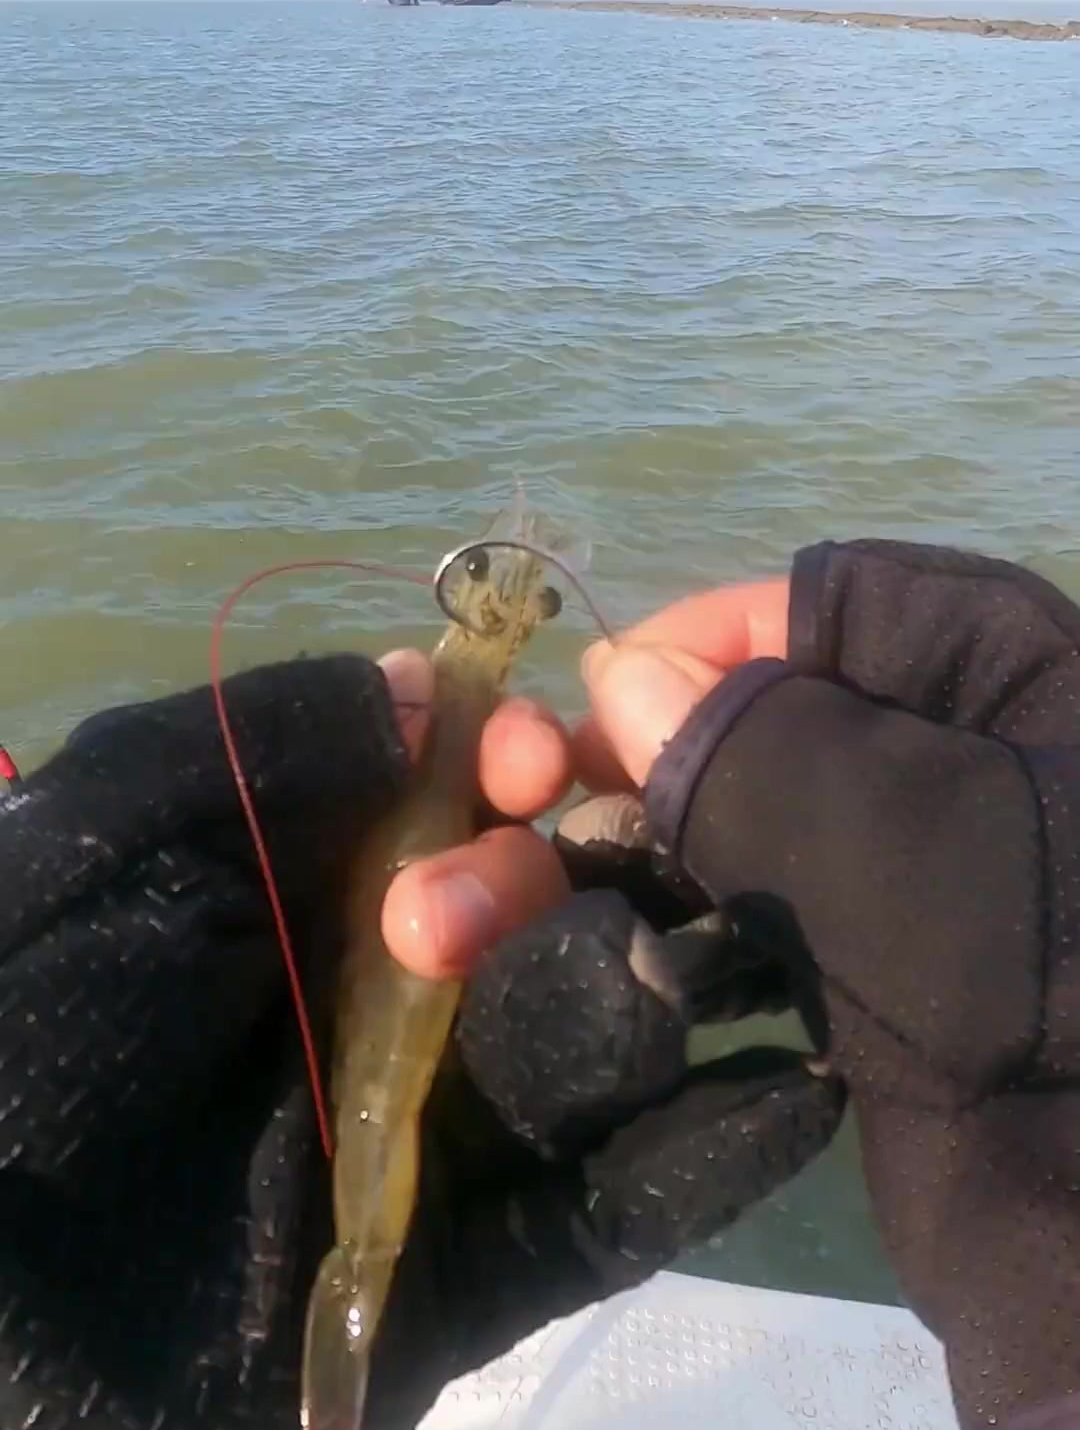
470,548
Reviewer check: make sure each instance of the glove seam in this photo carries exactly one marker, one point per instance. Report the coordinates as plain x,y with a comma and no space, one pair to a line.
806,630
958,1101
1045,915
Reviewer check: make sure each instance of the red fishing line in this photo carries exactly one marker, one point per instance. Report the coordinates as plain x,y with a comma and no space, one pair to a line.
8,769
232,754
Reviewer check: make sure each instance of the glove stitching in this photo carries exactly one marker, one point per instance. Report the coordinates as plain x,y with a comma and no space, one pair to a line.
962,1102
1045,916
814,644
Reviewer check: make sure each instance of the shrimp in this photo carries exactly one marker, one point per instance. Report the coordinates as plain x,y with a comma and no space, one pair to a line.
391,1026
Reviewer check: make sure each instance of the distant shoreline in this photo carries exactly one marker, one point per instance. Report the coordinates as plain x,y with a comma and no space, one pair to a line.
866,19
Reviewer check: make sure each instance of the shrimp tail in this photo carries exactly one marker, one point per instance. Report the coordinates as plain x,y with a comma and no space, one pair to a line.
337,1341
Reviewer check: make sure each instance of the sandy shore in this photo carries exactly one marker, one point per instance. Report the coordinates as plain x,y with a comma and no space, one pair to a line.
953,25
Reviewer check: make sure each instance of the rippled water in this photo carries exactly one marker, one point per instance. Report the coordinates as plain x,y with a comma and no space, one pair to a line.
303,280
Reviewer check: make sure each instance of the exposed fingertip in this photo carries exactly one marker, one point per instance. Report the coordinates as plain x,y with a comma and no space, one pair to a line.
641,696
441,913
411,678
525,759
594,658
429,919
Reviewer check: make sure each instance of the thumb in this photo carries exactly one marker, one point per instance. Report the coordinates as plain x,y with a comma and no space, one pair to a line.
641,696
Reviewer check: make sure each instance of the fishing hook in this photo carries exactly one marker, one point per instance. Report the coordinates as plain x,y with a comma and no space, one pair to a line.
442,571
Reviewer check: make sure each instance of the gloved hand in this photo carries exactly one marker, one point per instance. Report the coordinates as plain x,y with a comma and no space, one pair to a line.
893,813
163,1200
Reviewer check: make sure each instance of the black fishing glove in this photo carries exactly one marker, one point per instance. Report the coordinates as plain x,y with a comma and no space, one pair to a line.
163,1199
894,814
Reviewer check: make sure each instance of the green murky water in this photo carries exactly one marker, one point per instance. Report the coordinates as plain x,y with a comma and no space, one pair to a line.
292,281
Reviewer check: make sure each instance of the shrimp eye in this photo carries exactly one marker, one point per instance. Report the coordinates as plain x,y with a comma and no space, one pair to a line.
550,603
478,565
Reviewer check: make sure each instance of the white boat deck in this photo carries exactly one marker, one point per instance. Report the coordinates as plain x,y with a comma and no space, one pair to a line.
698,1355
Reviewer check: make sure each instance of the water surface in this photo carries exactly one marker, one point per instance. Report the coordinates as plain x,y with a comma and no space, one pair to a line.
313,280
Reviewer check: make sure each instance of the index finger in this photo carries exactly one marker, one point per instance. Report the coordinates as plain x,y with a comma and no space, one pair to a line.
725,627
